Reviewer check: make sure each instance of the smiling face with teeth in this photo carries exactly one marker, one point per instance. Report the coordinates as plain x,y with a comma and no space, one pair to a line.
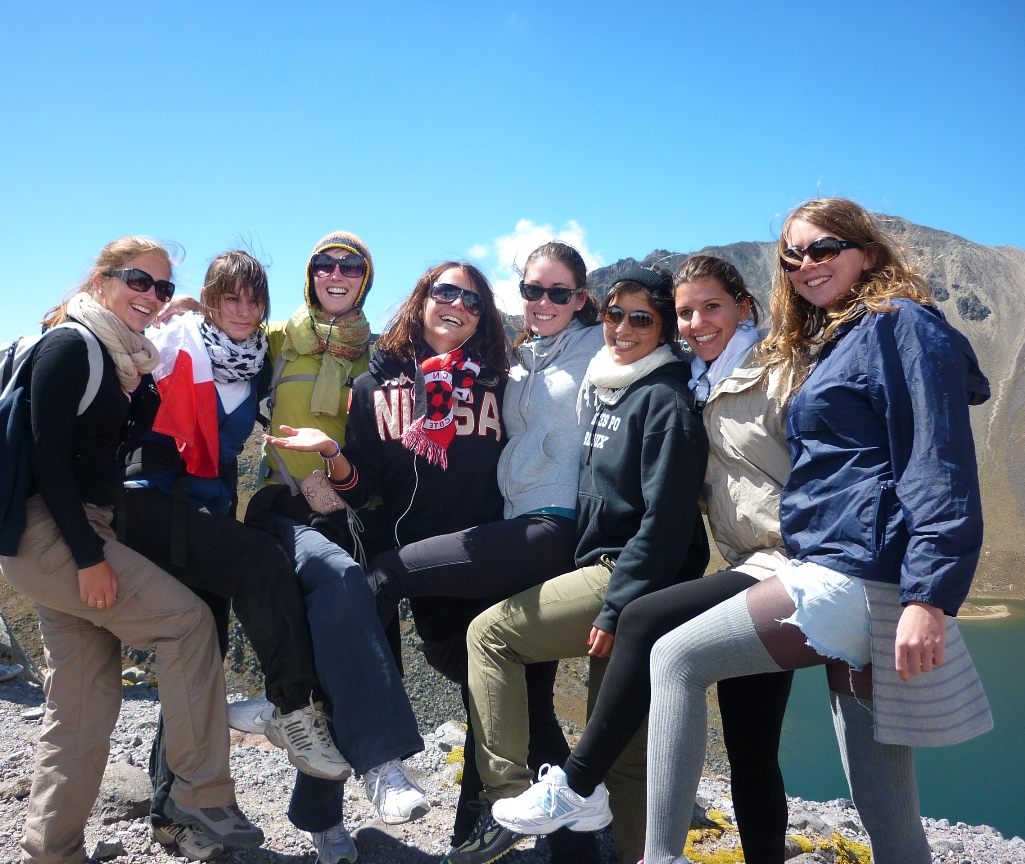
825,285
449,325
708,316
336,294
543,317
135,310
625,343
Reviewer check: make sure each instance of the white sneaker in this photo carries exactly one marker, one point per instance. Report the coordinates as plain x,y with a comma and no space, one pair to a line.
334,845
191,841
252,715
550,804
397,796
304,736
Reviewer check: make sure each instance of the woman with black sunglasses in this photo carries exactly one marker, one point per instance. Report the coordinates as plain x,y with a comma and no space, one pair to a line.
641,456
92,593
881,516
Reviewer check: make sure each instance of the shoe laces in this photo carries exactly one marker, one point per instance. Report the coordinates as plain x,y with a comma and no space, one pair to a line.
307,728
337,834
545,795
391,775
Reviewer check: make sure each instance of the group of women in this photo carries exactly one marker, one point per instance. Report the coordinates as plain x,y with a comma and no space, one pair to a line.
532,513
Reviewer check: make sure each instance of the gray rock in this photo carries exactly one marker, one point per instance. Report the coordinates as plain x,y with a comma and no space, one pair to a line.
33,714
124,794
808,822
450,735
134,675
791,848
943,844
105,849
16,789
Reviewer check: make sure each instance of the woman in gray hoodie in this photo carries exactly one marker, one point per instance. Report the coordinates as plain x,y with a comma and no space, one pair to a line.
537,473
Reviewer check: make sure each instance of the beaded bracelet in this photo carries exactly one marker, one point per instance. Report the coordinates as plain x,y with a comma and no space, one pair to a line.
329,460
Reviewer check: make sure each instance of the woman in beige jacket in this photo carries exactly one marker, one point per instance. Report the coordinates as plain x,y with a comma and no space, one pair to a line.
748,463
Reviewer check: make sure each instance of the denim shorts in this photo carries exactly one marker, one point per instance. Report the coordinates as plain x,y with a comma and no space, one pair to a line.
832,611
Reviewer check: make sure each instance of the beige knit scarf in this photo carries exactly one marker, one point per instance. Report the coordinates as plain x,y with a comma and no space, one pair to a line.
133,354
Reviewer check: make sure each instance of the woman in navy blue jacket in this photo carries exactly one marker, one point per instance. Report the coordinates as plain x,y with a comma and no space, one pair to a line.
882,511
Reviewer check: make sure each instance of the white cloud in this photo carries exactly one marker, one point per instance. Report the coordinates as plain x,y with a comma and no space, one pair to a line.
503,254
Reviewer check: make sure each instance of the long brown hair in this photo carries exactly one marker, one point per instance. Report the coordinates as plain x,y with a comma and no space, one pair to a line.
404,337
113,256
799,329
563,253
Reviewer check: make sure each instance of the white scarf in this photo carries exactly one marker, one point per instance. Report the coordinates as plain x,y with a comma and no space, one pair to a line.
133,354
611,380
704,376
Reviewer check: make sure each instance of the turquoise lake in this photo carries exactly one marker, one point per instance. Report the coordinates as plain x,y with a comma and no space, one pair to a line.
981,782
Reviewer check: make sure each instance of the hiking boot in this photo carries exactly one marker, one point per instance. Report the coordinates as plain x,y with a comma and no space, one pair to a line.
304,736
488,841
227,825
397,796
252,715
188,840
334,845
550,804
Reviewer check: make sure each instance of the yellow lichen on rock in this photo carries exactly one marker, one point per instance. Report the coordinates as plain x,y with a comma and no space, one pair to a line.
851,851
803,842
454,755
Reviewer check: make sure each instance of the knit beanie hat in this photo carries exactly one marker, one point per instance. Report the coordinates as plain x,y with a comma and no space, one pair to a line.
350,243
658,280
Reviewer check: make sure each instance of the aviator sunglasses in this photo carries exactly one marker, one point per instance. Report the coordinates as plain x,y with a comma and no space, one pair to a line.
559,296
445,293
821,250
641,321
141,281
324,265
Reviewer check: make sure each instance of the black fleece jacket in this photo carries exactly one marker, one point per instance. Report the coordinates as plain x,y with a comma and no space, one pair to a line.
641,468
421,500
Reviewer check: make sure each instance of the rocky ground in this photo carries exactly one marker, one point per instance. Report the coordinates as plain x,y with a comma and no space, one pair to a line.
822,832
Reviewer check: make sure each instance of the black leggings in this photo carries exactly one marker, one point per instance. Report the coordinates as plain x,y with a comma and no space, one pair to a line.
752,712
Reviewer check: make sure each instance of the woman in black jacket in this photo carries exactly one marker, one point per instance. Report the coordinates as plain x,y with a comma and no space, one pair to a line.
93,593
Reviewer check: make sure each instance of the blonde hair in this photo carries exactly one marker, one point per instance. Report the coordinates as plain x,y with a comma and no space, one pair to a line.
800,329
113,256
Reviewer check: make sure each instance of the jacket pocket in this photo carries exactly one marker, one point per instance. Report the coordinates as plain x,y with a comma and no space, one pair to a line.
886,499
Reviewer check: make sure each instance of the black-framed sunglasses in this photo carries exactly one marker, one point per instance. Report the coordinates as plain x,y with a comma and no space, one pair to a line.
821,250
641,321
323,265
141,281
559,296
446,293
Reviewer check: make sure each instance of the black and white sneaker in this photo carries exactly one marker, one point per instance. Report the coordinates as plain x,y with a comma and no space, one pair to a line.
488,841
191,842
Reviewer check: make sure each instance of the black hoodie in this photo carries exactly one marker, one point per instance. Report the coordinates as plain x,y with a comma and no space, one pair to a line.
421,500
641,470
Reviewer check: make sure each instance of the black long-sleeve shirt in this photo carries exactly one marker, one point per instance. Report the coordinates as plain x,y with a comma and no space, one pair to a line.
74,458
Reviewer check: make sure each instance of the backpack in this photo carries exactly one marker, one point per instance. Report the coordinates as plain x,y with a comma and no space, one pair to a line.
16,426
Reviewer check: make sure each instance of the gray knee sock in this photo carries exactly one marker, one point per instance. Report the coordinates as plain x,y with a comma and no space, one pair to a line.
721,643
883,785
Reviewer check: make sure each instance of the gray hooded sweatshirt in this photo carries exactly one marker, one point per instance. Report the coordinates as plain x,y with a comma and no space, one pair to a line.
540,465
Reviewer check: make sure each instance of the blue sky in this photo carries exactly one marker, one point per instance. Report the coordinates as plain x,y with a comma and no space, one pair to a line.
437,130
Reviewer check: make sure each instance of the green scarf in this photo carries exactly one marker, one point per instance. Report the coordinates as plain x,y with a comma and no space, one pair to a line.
339,344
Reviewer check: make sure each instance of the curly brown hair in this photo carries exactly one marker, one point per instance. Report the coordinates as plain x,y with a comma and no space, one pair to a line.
404,337
799,329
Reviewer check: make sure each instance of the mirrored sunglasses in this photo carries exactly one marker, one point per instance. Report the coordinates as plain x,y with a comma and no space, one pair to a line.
641,321
323,265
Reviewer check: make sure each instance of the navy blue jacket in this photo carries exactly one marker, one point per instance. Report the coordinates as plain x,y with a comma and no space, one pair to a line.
884,483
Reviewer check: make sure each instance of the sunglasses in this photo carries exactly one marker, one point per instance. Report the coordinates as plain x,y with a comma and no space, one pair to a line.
559,296
641,321
821,250
445,293
353,266
141,281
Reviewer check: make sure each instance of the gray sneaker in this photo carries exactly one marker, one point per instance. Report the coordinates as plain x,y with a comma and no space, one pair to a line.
190,841
227,825
304,736
334,846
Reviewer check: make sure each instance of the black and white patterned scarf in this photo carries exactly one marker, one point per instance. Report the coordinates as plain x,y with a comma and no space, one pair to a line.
233,361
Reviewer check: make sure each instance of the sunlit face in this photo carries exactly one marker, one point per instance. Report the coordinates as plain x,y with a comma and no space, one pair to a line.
627,343
543,317
825,285
336,294
236,314
449,325
136,310
708,316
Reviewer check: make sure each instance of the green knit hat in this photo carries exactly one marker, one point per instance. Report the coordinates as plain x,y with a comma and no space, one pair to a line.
351,243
